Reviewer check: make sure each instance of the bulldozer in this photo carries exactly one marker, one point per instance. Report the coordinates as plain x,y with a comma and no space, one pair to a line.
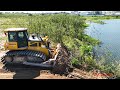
31,50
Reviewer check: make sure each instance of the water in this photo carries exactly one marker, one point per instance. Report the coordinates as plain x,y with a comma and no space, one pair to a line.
109,34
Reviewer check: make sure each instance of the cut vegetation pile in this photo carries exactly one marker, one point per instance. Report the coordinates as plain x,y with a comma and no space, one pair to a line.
63,64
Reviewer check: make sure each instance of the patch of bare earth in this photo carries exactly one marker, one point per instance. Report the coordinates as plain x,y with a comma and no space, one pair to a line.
80,74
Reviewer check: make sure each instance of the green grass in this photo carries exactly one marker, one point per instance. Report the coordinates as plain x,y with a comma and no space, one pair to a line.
3,38
98,19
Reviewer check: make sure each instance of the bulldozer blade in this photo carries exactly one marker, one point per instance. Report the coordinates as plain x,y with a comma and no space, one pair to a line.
38,65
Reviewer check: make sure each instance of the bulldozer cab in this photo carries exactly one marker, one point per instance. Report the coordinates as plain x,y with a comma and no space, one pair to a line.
18,35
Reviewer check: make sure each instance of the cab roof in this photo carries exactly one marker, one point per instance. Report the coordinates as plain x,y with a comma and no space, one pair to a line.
15,29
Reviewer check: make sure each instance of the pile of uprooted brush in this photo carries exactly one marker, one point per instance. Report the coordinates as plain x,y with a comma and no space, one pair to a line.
62,65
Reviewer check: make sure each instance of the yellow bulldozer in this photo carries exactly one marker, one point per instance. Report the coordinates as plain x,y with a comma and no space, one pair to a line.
28,49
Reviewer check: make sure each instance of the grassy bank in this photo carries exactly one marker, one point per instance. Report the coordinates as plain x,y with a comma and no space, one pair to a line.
98,19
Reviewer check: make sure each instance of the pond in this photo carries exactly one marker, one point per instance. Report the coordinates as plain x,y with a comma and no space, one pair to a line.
109,35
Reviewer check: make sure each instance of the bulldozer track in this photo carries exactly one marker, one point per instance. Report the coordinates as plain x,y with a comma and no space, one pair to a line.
38,56
27,53
11,66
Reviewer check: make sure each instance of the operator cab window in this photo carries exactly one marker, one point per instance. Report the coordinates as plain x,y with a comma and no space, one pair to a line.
21,35
12,36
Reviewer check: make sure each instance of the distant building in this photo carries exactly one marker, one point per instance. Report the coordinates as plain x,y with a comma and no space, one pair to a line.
111,12
117,13
75,12
98,12
95,13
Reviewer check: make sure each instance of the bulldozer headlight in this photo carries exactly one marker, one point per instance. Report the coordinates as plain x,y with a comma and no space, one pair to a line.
43,46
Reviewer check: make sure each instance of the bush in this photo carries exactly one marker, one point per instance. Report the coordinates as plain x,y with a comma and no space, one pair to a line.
75,61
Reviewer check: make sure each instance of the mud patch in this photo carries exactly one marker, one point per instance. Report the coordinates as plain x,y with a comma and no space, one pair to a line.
3,71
